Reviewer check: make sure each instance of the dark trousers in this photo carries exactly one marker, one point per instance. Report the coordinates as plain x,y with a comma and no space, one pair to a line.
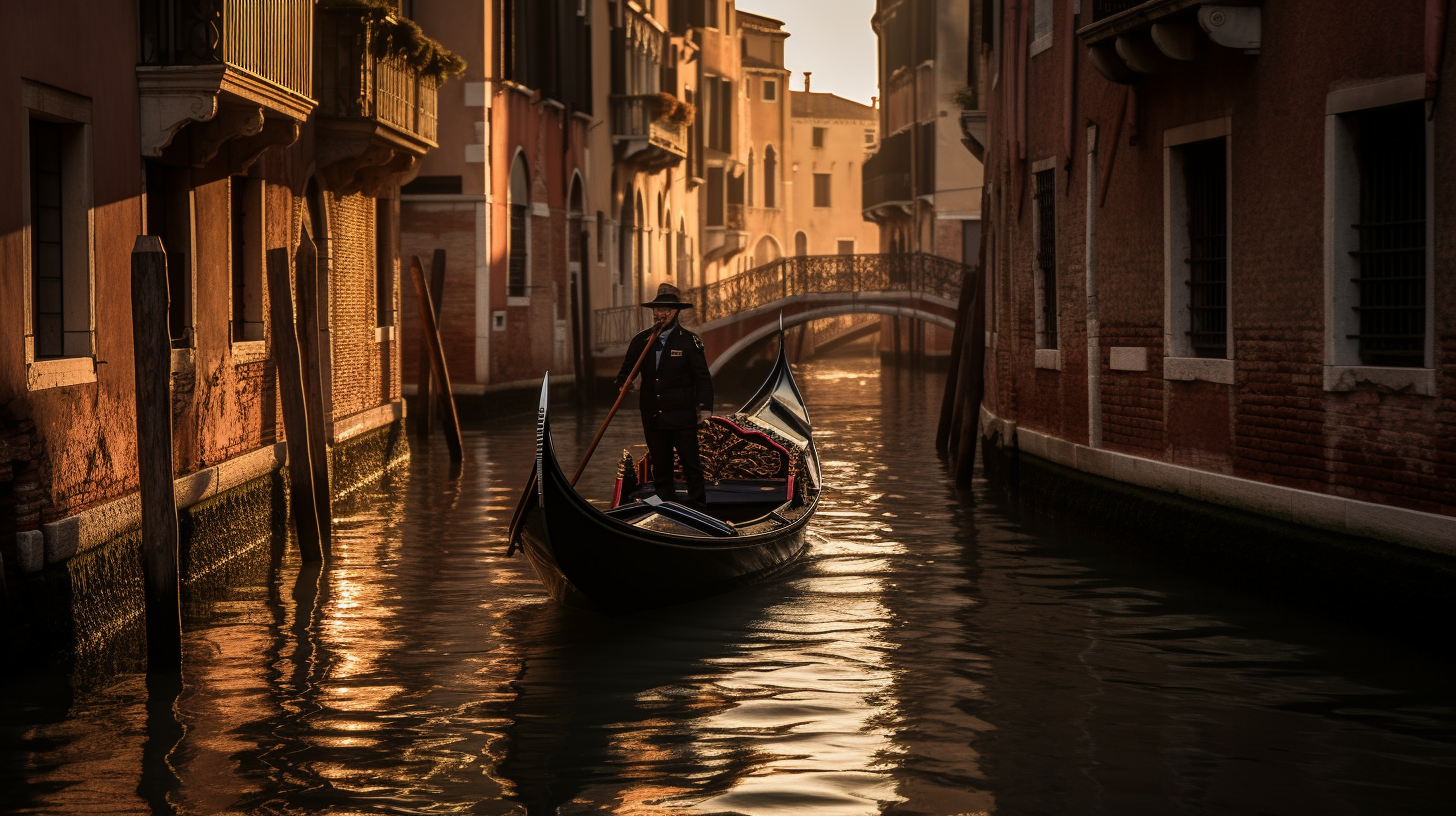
660,445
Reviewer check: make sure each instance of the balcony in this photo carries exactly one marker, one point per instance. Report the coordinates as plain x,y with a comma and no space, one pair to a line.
887,178
723,241
238,71
377,109
1129,40
650,131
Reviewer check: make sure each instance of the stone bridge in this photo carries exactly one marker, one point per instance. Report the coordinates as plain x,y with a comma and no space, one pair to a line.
735,314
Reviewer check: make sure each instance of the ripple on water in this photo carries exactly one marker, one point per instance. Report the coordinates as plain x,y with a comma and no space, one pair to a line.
928,655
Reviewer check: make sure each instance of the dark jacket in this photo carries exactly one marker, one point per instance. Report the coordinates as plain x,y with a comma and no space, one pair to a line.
673,394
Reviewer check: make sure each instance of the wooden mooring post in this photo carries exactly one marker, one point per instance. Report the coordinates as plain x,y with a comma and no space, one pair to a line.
152,352
428,400
305,269
430,331
288,364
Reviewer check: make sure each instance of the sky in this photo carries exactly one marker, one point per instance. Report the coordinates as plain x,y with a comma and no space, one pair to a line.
832,38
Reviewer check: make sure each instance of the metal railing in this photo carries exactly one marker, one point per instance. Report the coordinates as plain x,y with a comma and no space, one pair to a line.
640,117
917,273
354,82
1102,9
268,39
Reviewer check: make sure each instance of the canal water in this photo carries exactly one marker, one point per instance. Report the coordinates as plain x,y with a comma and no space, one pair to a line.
930,655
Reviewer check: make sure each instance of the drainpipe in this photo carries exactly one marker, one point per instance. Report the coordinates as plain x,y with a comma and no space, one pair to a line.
1436,11
1094,318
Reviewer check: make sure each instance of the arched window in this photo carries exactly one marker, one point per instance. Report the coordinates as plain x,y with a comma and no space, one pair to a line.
801,244
639,242
767,251
519,202
770,177
575,233
750,177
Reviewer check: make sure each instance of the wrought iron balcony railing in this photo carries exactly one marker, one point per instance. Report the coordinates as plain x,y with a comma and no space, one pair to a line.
1102,9
270,40
648,132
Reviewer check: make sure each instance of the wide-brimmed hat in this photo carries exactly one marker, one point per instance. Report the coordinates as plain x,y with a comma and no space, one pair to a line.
668,297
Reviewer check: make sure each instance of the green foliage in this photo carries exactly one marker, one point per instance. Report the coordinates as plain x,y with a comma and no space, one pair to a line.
396,36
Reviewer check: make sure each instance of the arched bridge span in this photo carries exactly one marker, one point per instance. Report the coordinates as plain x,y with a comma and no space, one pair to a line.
735,313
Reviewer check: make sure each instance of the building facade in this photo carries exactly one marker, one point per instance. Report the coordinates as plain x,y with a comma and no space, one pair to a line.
921,186
1215,251
124,123
832,137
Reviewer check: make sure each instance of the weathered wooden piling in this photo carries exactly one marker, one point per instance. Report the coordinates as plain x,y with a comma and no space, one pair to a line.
428,398
152,353
288,365
948,400
305,269
974,377
430,331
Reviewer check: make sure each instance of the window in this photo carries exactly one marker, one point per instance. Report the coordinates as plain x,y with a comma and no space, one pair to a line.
801,244
712,21
1041,26
750,177
56,198
1205,182
518,266
1046,259
846,246
819,136
869,137
821,189
601,238
384,255
1196,278
246,257
770,90
1391,258
770,177
169,217
1378,200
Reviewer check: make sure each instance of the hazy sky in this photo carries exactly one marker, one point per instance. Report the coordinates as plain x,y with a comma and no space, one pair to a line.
832,38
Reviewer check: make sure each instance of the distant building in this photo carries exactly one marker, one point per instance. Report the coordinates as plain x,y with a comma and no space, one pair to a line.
921,186
1215,256
832,136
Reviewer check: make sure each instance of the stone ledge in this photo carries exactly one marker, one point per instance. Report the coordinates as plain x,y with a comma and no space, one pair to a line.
92,527
1348,378
1198,368
1411,528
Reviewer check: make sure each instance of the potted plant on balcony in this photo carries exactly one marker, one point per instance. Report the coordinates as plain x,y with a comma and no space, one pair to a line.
397,36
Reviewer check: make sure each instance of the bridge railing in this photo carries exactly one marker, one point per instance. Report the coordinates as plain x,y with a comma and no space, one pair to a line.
828,274
918,273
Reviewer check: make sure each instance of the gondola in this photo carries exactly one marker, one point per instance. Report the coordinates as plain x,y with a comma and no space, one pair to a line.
644,552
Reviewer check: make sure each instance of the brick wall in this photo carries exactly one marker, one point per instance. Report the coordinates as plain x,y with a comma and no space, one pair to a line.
1275,422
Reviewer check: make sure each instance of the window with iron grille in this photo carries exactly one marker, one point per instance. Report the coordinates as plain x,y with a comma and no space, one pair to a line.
1205,180
1046,259
1391,259
516,273
48,282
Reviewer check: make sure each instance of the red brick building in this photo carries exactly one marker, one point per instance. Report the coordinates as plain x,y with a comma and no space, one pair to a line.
1216,236
227,132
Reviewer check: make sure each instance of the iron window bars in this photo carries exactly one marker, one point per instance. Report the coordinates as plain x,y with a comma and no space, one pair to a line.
1046,254
1391,156
1205,173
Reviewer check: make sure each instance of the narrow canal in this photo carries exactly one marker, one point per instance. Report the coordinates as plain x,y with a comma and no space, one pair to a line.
931,655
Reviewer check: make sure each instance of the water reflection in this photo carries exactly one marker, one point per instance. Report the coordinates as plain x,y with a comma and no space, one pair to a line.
928,656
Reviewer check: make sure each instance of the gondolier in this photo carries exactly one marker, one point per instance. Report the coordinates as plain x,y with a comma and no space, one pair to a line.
677,395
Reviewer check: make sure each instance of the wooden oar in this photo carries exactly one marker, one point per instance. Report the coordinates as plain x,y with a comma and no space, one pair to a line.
525,501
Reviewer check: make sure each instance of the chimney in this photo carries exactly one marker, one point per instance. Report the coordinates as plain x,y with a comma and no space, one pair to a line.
875,102
807,74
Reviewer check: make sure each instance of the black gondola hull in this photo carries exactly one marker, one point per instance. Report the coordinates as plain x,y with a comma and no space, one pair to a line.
591,560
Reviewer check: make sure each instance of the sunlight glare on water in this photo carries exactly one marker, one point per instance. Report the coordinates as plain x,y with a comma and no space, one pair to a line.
929,655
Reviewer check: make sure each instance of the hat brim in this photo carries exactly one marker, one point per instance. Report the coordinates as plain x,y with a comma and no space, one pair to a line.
661,305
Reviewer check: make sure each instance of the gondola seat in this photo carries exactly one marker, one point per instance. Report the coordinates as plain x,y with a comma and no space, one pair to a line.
749,466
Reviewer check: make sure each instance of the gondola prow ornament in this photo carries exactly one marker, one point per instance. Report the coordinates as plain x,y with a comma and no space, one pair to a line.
676,395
